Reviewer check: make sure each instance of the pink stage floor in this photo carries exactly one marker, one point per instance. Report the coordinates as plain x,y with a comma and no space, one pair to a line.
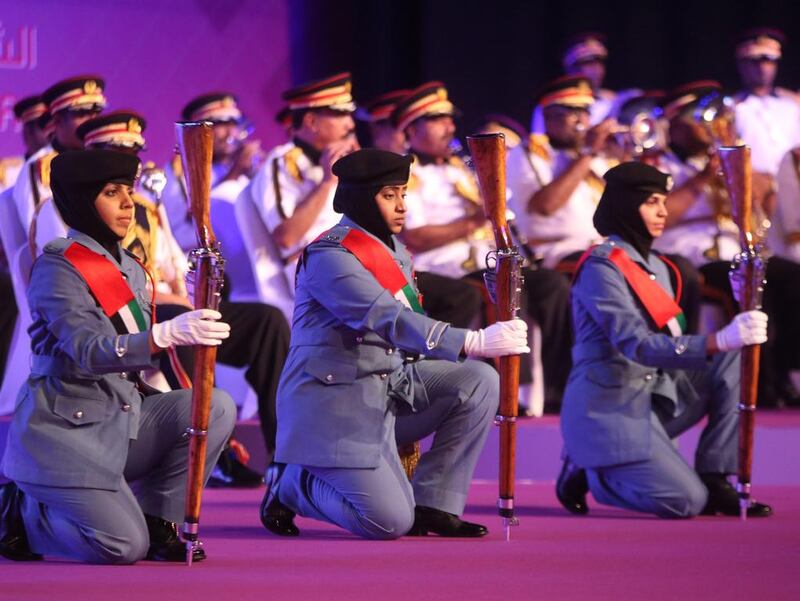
610,554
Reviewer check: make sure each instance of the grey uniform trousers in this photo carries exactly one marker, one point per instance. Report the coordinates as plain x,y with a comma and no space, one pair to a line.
108,526
460,402
665,484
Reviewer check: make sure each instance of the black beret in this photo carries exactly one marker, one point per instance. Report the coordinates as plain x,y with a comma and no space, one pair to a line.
93,168
637,176
373,167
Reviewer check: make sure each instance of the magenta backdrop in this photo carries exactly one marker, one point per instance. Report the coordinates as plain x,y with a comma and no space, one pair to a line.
154,55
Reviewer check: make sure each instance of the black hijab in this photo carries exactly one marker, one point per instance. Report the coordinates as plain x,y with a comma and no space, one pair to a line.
77,177
627,186
361,175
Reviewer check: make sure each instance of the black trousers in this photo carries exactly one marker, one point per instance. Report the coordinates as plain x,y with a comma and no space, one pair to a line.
259,340
781,300
545,300
447,299
8,319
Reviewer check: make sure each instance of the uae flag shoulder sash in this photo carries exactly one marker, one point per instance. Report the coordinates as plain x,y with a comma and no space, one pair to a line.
376,259
660,306
109,288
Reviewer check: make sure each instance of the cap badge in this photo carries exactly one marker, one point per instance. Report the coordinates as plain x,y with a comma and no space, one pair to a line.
134,126
90,87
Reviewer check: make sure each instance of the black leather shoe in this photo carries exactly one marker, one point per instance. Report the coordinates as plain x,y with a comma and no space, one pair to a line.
429,520
165,544
13,538
276,517
571,488
232,473
724,500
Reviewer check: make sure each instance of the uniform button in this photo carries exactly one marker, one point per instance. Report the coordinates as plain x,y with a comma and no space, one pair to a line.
359,339
648,377
680,348
389,351
78,414
384,376
329,378
126,407
652,276
124,375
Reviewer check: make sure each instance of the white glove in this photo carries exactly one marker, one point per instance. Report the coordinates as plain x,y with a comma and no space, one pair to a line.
746,328
498,340
195,327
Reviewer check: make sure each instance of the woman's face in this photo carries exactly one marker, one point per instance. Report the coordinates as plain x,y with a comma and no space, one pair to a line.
654,214
115,206
392,205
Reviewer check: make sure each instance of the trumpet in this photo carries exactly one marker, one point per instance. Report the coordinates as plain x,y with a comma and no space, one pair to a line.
641,135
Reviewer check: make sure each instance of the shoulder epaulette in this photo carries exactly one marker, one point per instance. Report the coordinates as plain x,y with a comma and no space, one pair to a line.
57,246
335,234
290,161
141,199
42,168
177,166
413,181
466,186
9,163
539,144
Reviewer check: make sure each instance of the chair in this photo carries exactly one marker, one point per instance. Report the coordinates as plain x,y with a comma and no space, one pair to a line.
265,260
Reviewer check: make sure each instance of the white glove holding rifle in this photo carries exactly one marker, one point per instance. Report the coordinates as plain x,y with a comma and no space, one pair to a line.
201,327
498,340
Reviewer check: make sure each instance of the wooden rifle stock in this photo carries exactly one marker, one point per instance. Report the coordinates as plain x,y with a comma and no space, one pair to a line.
750,267
195,142
489,161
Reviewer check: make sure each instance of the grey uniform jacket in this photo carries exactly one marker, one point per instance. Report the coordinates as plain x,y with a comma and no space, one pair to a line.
78,410
619,362
346,356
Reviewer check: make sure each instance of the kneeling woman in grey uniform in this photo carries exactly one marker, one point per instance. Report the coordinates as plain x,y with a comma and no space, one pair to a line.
356,384
97,457
637,381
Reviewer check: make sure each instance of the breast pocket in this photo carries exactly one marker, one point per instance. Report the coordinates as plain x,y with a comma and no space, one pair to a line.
81,410
331,372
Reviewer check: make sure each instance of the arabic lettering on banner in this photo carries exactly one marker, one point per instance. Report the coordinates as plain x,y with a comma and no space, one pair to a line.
8,122
18,48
